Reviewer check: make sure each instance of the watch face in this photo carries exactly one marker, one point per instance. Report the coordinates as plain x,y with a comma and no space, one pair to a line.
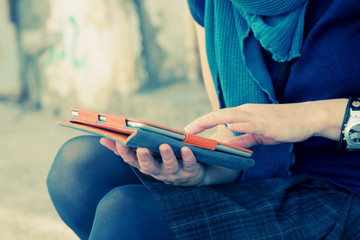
354,134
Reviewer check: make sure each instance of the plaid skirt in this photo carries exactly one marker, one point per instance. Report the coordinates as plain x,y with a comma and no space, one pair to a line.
299,207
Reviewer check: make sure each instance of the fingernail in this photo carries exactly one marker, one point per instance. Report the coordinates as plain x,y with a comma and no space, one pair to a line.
102,141
164,149
143,152
184,151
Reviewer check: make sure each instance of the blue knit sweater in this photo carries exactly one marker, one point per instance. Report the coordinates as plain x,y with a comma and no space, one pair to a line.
235,33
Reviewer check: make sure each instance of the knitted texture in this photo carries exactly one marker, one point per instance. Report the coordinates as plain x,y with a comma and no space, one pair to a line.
236,30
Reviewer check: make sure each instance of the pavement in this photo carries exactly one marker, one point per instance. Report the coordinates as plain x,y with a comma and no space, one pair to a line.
30,139
28,143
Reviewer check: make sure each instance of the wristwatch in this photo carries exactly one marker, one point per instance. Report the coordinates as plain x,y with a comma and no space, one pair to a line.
351,131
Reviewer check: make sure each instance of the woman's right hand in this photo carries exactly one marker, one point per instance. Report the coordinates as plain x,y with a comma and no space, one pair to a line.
271,124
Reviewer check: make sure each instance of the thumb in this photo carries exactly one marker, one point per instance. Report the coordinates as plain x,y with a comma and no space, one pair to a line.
110,144
244,141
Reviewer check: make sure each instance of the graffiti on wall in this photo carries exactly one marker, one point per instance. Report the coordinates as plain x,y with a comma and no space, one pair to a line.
66,50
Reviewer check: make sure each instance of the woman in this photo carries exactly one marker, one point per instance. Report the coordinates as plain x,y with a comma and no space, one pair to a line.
280,74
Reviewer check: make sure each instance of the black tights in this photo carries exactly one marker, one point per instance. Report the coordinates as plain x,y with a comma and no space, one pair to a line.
99,197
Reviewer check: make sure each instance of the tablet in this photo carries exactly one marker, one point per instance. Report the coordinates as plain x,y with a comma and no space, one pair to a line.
137,133
171,133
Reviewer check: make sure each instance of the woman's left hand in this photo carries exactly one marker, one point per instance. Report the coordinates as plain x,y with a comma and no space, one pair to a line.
276,123
187,172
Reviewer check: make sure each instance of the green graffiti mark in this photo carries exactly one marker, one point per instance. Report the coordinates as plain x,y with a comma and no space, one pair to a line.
75,61
56,53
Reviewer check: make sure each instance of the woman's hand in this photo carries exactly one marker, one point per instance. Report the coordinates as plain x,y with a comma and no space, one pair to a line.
276,123
187,172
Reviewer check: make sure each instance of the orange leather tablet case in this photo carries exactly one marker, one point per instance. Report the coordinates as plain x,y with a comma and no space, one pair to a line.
117,128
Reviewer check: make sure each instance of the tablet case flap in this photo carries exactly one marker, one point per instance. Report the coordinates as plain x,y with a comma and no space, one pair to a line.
121,137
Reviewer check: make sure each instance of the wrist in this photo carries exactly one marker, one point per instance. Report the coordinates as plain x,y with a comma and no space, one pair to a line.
330,117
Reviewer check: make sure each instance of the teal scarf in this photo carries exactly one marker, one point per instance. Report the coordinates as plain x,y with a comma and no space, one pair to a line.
236,30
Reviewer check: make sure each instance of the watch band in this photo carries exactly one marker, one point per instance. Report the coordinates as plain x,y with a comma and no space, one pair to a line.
355,103
349,134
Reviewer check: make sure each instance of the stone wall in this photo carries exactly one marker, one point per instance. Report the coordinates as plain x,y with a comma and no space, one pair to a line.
87,53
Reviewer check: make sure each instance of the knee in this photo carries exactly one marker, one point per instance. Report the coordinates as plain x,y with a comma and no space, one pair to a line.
124,200
129,212
128,204
121,213
74,157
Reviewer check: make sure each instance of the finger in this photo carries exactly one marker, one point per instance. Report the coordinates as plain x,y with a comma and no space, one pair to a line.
127,154
218,117
189,160
147,163
170,162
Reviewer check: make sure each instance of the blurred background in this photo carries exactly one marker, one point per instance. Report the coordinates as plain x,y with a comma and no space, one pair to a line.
130,57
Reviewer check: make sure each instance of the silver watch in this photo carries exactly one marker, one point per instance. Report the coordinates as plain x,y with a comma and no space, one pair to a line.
352,127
